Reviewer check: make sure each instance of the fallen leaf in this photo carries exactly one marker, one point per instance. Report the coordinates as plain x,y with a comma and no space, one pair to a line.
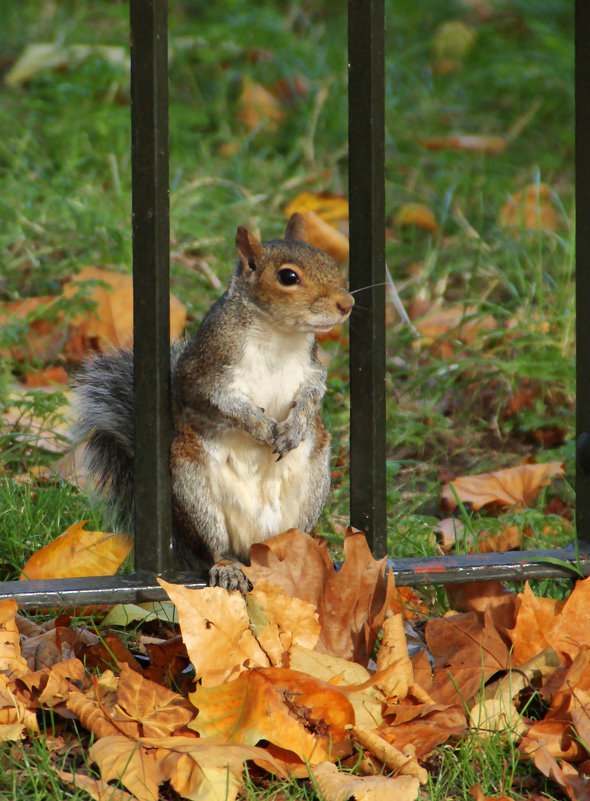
391,757
43,56
466,651
196,769
97,789
531,208
534,622
417,215
111,321
352,602
77,552
216,631
452,42
338,786
469,143
108,654
514,486
332,209
46,378
325,237
280,622
258,107
11,662
46,329
290,709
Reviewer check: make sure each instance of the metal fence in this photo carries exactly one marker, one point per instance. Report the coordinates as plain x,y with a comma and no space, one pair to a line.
149,115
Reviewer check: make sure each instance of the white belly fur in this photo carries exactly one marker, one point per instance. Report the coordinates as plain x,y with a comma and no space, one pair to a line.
272,368
260,497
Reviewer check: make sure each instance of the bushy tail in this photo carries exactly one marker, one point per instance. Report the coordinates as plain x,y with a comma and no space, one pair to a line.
103,412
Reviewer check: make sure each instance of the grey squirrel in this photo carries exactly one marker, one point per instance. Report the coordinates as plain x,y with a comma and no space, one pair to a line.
249,456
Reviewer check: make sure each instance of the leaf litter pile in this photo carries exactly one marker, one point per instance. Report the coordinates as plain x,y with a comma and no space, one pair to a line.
307,677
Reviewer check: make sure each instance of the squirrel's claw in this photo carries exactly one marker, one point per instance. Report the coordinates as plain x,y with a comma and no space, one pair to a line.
228,575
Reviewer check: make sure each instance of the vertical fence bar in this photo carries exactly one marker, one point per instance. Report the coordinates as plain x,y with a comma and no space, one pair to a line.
366,188
151,292
583,268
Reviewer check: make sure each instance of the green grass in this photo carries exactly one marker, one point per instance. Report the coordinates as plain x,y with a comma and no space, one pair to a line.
65,204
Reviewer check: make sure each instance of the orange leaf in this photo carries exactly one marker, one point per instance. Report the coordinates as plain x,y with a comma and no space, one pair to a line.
216,631
514,486
532,208
111,322
290,709
325,237
77,552
417,214
257,106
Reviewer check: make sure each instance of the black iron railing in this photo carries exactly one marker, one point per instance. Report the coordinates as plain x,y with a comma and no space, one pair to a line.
367,328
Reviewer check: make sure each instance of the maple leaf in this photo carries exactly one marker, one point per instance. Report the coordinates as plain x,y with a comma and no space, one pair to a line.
77,552
466,653
216,631
290,709
279,621
352,603
513,486
196,769
137,708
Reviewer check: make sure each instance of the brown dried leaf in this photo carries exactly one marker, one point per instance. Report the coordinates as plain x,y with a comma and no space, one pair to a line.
338,786
77,552
534,622
466,653
514,486
352,603
216,631
422,727
290,709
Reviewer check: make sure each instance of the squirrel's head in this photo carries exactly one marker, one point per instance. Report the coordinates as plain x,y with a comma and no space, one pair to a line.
298,285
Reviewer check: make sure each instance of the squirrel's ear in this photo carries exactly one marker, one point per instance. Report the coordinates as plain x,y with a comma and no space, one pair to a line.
249,249
296,227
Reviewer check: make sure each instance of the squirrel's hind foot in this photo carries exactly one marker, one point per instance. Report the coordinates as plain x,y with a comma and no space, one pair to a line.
227,573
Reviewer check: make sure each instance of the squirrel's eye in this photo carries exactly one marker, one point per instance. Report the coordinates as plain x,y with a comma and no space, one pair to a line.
288,277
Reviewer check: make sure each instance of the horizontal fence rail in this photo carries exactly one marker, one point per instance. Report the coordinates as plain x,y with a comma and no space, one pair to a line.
153,544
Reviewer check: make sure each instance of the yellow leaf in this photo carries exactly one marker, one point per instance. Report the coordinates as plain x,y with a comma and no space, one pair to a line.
417,214
11,662
216,631
77,552
339,786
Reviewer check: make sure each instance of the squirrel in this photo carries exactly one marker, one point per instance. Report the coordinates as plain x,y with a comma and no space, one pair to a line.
249,456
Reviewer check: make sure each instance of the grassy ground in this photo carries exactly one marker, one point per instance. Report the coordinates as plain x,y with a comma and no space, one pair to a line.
504,394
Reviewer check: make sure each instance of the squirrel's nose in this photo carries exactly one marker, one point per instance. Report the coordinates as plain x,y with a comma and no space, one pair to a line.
345,304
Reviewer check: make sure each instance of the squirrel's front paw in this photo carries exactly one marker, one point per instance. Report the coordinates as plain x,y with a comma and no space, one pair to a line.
289,434
227,573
